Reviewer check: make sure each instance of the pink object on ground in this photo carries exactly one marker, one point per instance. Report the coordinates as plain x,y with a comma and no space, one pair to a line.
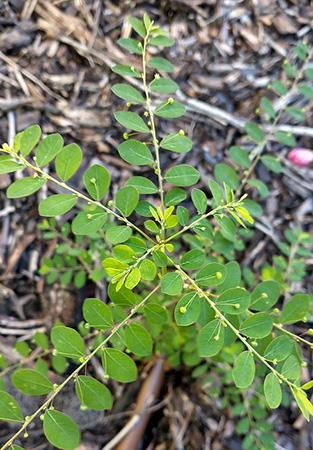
301,157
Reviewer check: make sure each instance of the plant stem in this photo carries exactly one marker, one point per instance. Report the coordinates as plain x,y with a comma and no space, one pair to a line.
46,176
154,137
45,405
230,325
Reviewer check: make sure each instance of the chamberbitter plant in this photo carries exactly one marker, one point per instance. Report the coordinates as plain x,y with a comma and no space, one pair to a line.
196,306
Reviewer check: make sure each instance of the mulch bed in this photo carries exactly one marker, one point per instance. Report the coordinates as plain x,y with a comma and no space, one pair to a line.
55,59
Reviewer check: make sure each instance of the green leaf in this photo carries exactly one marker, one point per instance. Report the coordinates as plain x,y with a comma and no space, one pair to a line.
127,93
225,173
31,382
233,276
162,41
119,366
285,138
303,402
113,267
176,143
171,283
126,200
8,165
171,110
265,295
41,340
257,326
161,64
272,391
29,139
159,258
254,131
306,90
268,107
193,260
182,175
227,227
60,430
135,152
132,121
148,270
138,340
240,156
48,148
92,393
309,73
217,191
138,26
182,215
279,87
295,309
187,309
132,45
22,348
97,314
137,244
68,342
156,314
123,298
291,368
24,187
296,113
118,235
272,163
88,222
123,253
57,205
142,184
9,409
199,200
97,181
175,196
68,161
15,447
233,300
212,274
279,349
133,278
261,187
127,71
164,85
244,370
210,339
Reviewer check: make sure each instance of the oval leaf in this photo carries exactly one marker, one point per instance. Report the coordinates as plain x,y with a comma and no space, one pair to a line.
97,314
68,161
68,342
118,366
244,370
97,181
31,382
182,175
56,205
257,326
48,148
135,152
92,393
272,391
25,186
9,409
210,339
138,340
61,430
